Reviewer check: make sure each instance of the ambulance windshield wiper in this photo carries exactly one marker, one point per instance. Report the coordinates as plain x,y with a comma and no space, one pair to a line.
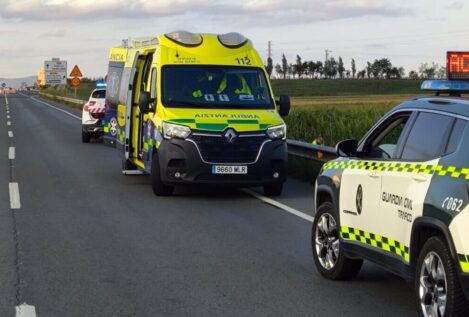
177,103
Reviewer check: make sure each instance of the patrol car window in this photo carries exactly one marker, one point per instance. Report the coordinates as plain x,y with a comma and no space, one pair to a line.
456,136
384,144
99,94
427,137
197,86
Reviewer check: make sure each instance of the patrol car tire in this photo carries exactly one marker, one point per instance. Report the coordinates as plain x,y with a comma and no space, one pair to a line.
344,268
85,137
456,303
273,190
159,188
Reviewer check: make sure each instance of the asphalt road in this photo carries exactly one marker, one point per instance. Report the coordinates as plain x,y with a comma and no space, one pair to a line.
88,241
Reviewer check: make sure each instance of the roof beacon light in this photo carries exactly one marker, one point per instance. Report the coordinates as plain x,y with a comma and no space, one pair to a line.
101,84
446,86
232,40
185,38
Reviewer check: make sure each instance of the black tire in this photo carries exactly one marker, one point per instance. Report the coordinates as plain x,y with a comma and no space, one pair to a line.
456,303
344,268
159,188
85,137
273,190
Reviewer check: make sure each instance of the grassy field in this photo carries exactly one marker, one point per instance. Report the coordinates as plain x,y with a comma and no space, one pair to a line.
83,92
344,87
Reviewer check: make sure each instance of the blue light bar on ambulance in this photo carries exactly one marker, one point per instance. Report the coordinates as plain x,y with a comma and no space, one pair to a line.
101,84
445,86
185,38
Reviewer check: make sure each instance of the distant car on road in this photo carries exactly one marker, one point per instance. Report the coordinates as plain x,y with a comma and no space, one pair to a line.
399,198
92,115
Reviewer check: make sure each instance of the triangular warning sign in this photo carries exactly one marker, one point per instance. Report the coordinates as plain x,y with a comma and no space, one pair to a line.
76,72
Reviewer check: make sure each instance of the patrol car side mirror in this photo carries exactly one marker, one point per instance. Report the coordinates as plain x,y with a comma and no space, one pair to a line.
144,102
283,105
347,148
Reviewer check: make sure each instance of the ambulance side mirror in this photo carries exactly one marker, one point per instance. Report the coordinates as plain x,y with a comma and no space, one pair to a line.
144,102
347,148
284,105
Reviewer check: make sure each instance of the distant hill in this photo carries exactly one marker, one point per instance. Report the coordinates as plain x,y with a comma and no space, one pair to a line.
17,82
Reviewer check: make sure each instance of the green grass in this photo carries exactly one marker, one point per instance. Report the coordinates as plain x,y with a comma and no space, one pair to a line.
83,92
344,87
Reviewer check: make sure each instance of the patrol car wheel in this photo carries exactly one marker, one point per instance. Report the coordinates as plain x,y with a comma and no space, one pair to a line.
85,137
437,287
328,256
159,188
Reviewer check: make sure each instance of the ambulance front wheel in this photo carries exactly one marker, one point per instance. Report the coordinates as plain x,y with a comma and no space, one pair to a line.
159,188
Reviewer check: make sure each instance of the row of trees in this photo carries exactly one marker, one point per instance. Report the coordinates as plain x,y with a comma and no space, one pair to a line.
335,68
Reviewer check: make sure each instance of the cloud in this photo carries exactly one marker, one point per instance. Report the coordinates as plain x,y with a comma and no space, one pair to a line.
455,5
54,34
250,13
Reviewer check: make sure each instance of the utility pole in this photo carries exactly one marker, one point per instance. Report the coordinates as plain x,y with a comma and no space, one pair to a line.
269,49
327,54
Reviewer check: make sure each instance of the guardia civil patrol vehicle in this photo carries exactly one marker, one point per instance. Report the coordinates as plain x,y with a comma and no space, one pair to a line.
196,109
399,197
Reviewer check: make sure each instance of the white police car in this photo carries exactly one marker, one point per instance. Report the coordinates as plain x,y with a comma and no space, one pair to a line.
399,198
93,114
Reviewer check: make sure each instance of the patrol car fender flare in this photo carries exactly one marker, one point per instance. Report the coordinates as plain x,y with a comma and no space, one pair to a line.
326,190
423,223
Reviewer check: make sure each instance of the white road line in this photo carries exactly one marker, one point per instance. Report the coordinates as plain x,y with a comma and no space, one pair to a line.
25,310
14,196
61,110
11,153
279,205
8,123
10,134
8,117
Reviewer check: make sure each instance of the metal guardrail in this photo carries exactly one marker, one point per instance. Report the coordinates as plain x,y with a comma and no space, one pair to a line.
70,100
310,151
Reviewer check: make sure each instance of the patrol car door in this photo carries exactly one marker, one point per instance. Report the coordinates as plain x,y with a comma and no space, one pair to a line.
361,186
407,179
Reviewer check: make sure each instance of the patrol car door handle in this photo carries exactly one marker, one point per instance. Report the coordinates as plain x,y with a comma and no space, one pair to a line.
373,174
419,177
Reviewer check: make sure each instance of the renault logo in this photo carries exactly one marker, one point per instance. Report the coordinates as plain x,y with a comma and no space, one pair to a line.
230,135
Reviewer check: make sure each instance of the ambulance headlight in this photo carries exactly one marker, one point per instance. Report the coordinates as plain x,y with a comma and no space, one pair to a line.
185,38
232,40
171,130
277,132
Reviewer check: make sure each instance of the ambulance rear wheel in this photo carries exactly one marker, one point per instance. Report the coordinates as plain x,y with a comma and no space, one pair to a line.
159,188
85,137
328,255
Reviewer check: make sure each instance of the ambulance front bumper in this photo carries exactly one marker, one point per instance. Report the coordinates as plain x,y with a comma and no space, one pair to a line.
181,161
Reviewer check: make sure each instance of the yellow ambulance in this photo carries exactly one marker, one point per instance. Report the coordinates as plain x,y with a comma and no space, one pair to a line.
192,108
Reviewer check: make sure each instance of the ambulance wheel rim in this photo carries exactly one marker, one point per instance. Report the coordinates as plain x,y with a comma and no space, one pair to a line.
327,241
433,286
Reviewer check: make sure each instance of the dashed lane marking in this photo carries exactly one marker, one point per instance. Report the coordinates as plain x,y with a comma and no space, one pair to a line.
10,134
11,153
8,123
25,310
14,196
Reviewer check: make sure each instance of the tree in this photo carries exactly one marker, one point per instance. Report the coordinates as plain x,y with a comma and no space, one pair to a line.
278,69
441,72
298,67
354,68
284,66
428,71
368,69
319,68
270,66
413,75
341,68
330,68
361,74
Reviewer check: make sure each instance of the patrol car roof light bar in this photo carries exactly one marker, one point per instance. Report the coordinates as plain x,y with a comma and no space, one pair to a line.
185,38
232,40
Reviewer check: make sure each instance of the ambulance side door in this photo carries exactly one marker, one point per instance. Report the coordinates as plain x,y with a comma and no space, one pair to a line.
405,187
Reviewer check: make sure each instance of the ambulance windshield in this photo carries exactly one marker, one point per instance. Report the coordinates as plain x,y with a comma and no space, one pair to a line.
228,87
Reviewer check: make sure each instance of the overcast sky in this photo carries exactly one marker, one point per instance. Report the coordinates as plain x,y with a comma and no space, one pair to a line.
408,32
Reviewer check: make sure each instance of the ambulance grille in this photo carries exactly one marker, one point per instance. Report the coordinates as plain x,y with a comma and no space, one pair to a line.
217,149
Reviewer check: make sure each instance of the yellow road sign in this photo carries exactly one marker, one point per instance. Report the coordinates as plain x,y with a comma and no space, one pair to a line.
76,72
